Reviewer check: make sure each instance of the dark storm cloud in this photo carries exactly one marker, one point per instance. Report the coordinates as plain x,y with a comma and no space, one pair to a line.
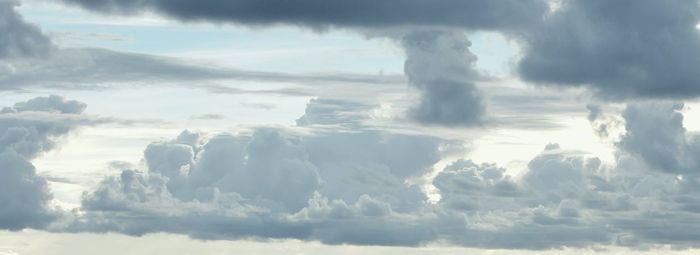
620,49
474,14
17,37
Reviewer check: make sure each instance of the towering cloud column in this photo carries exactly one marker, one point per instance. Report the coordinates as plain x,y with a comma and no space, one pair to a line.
440,65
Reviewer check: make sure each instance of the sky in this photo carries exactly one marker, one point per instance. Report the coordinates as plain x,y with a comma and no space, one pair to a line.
349,127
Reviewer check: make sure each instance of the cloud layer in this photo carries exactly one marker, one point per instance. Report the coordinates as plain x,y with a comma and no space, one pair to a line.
368,187
479,14
90,69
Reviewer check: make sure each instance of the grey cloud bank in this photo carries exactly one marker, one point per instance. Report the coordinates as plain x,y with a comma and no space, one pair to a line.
355,188
361,187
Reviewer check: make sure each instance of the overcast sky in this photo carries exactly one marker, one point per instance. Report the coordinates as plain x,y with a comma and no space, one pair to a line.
349,127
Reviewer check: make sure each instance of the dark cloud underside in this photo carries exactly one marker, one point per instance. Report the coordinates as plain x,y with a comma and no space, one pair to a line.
475,14
620,49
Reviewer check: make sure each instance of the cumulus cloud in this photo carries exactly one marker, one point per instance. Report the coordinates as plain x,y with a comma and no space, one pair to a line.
559,176
467,186
656,135
270,184
28,129
17,37
273,183
619,49
359,188
440,65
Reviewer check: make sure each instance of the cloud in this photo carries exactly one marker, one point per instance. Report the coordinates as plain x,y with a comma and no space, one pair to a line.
85,68
448,97
357,185
364,187
440,65
467,186
17,37
27,130
656,135
51,104
24,195
620,49
557,175
480,14
271,183
29,136
322,111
